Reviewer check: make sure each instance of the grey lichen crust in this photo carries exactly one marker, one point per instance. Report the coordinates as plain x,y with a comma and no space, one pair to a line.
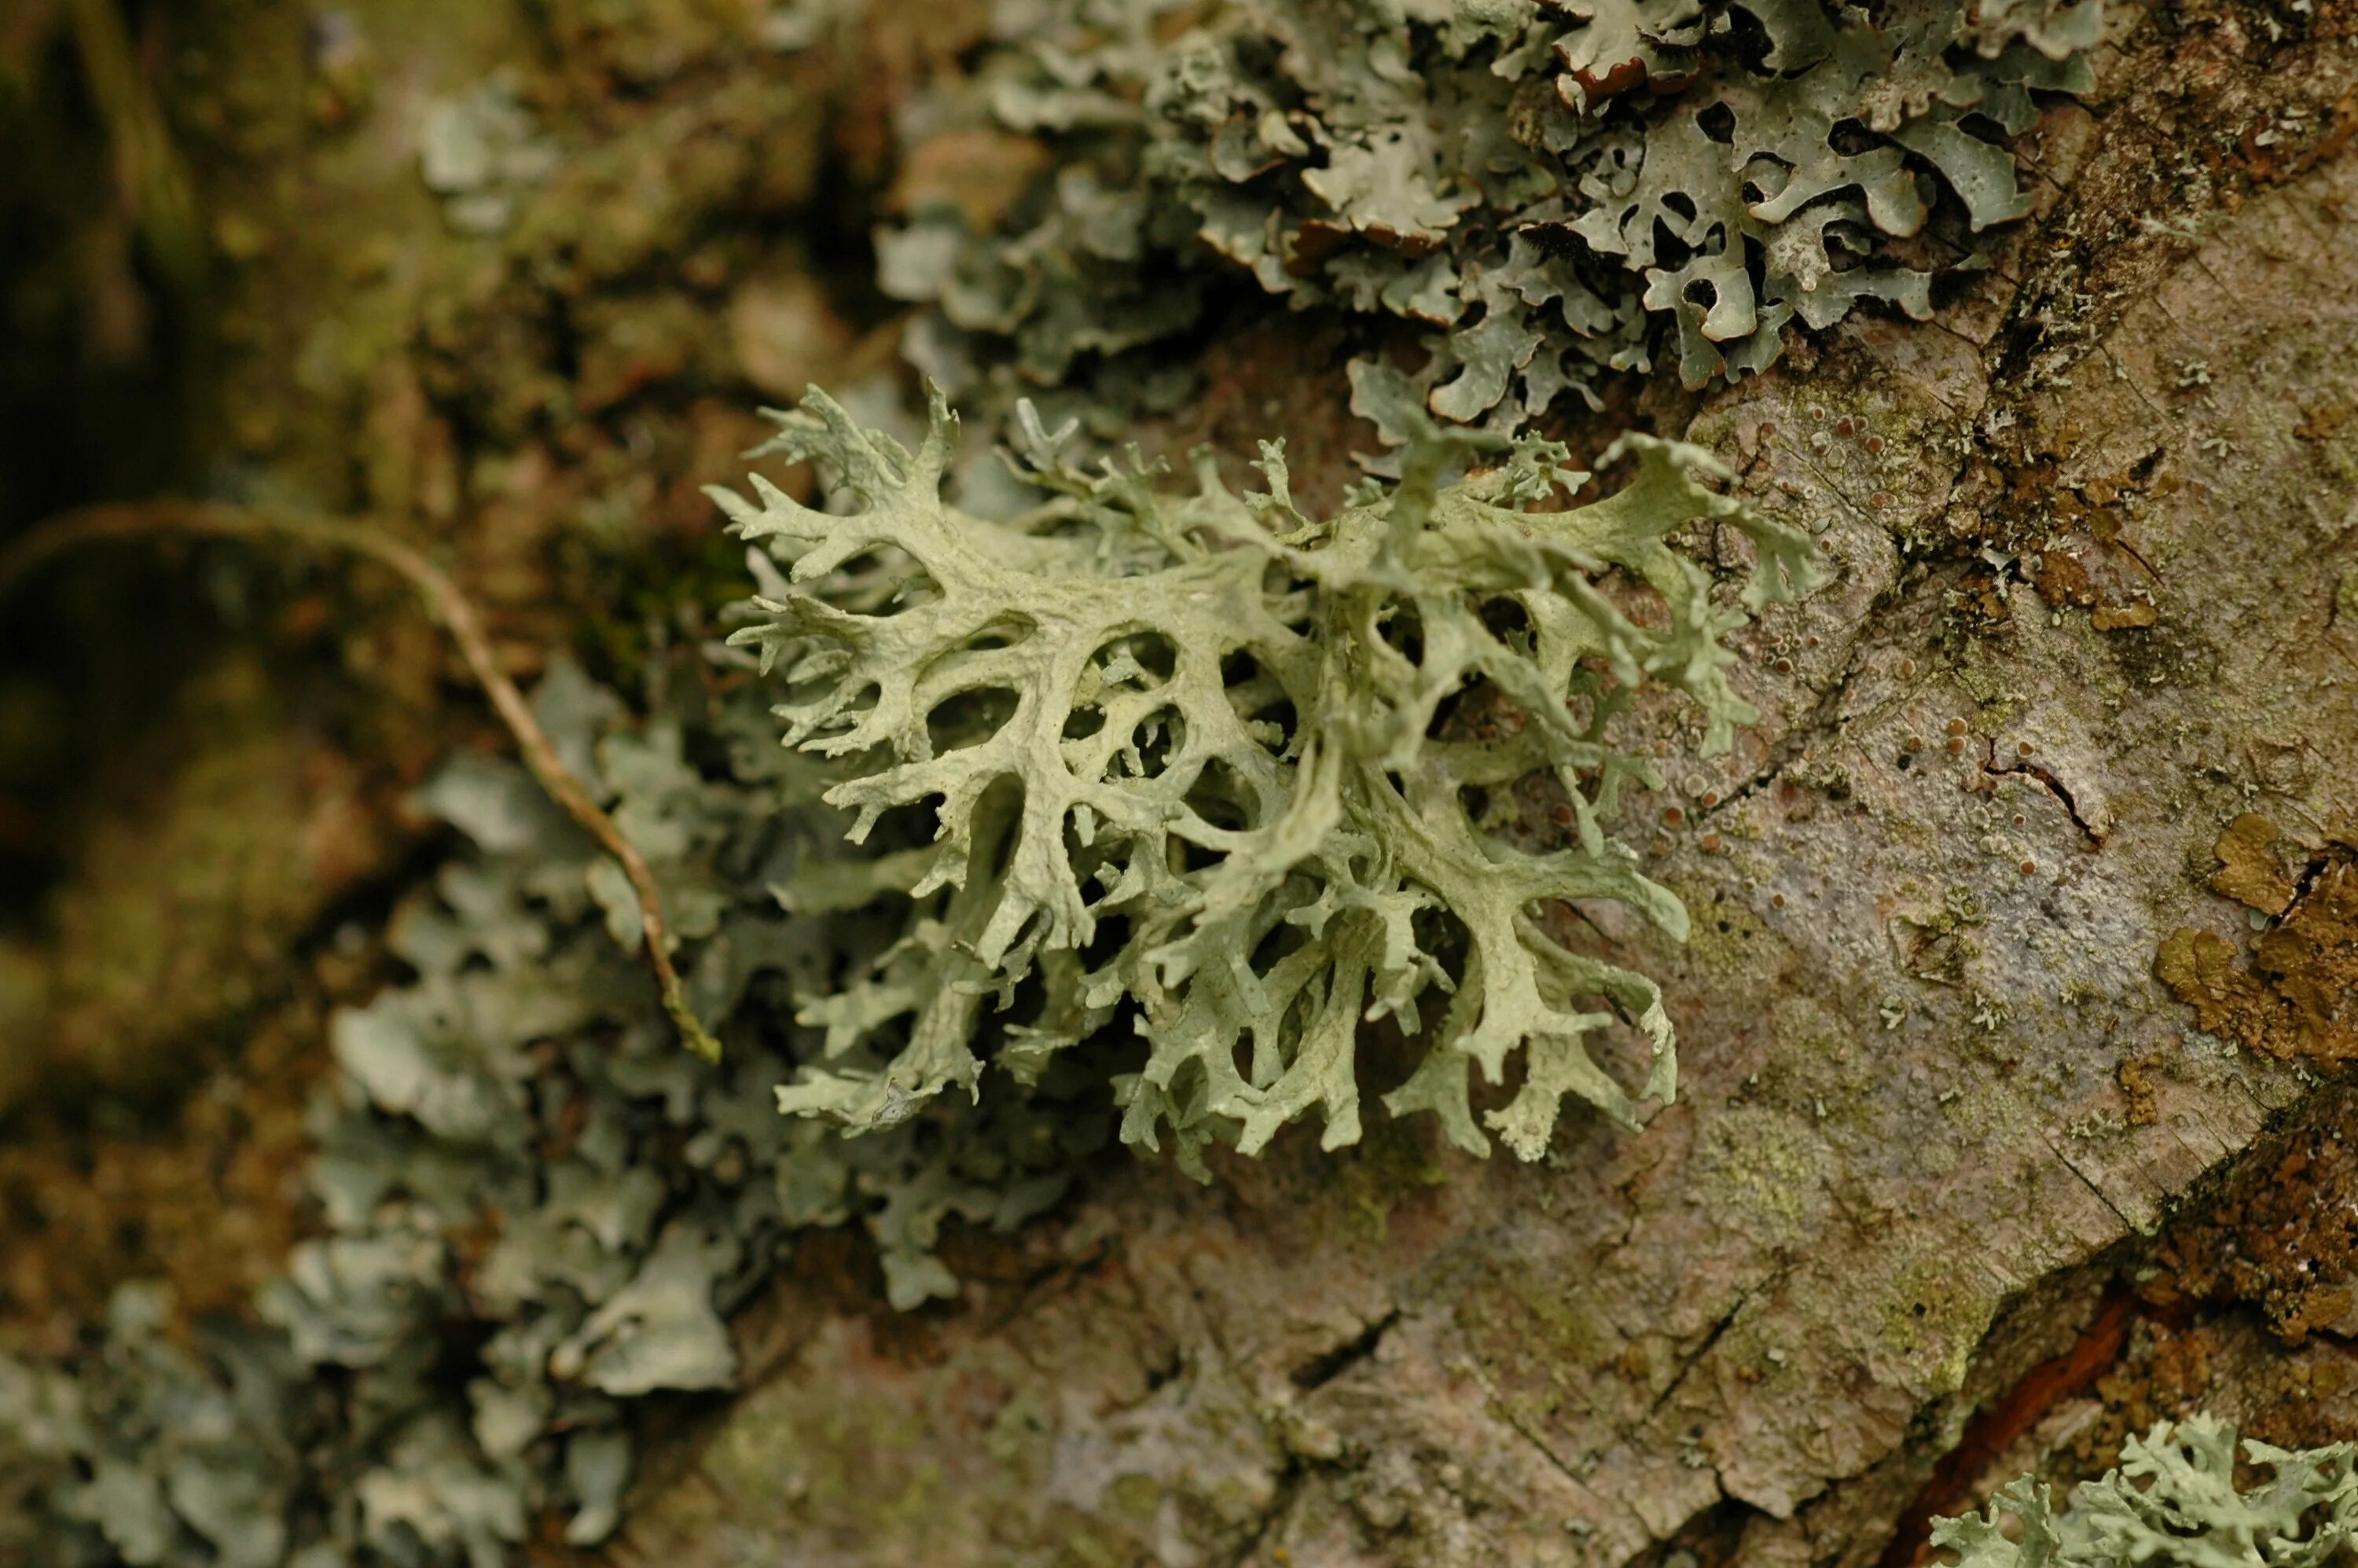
1194,757
2174,1499
1534,183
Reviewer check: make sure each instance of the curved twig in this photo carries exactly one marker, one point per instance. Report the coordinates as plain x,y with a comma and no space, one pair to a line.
21,557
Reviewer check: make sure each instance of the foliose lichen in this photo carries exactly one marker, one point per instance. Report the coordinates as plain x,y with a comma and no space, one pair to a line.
1183,780
1534,184
2174,1498
1191,765
1188,757
535,1209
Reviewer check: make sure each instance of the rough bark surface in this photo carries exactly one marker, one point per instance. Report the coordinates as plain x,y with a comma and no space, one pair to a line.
2025,925
1929,1075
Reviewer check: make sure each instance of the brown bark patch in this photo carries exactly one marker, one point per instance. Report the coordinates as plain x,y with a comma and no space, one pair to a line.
2282,1238
983,174
2298,996
2127,617
2064,583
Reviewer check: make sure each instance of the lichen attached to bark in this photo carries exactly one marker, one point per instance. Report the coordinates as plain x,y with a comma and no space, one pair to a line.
1179,755
2174,1499
1540,187
2298,995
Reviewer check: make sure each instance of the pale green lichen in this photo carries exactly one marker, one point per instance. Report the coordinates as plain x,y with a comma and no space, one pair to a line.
1189,757
1195,765
2174,1499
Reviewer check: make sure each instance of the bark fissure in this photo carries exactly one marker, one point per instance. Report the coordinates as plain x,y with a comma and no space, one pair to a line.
2054,785
1325,1368
2006,1419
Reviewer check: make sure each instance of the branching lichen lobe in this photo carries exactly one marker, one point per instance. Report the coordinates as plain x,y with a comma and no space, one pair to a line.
1538,186
1181,754
2174,1499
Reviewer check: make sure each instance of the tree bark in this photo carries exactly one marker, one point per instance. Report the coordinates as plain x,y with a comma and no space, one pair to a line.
2026,922
1937,1115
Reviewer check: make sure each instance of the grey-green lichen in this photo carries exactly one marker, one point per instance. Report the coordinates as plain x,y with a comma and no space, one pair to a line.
1536,184
1189,760
1181,787
1192,765
515,1157
2174,1499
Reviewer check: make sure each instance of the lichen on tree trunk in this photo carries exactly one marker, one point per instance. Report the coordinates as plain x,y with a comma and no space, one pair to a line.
2091,526
2022,931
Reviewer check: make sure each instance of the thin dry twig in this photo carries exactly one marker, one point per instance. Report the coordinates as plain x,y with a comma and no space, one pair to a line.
45,541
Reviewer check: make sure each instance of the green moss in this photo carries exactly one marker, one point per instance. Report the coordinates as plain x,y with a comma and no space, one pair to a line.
1135,1498
179,910
1388,1166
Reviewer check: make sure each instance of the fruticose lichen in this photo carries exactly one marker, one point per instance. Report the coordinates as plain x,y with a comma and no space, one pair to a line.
2174,1499
1534,184
1149,794
1189,766
1189,757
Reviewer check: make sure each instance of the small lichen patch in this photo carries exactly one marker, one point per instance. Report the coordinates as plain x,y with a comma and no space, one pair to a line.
1764,1172
1932,1314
